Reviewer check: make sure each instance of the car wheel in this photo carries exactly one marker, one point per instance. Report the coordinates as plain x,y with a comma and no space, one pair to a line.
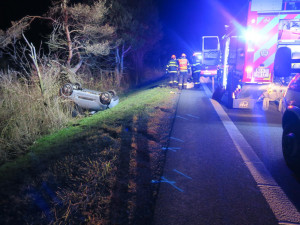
113,93
291,146
105,98
67,90
77,86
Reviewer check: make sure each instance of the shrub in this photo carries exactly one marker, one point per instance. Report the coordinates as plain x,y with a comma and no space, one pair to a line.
26,113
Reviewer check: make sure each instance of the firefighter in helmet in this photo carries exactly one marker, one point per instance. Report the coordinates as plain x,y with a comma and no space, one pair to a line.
172,71
184,69
196,68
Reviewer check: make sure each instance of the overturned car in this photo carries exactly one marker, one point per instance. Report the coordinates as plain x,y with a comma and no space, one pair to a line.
89,99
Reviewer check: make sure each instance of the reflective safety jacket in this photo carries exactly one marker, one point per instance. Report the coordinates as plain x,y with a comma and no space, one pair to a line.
184,65
172,66
196,66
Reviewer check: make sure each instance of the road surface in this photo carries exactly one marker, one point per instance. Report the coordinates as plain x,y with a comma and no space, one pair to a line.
225,166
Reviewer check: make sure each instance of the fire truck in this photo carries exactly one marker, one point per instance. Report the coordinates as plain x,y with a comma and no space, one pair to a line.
246,71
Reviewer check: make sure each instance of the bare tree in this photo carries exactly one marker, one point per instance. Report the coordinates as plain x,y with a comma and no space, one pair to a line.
147,33
78,29
138,28
120,17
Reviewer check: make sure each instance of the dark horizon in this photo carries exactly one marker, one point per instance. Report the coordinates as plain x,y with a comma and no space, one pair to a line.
183,22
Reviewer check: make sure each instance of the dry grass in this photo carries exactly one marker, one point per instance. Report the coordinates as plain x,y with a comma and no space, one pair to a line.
103,81
26,113
104,175
152,74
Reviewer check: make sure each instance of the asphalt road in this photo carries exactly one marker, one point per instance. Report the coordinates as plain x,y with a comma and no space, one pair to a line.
225,166
263,131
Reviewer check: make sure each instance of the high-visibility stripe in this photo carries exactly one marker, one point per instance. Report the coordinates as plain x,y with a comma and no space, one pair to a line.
267,45
270,61
263,60
269,26
266,61
209,72
259,19
266,28
290,16
282,16
271,43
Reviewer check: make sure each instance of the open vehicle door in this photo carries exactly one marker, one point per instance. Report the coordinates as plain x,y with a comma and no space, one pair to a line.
211,50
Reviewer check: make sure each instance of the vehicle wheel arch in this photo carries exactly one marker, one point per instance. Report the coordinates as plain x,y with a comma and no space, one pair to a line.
66,90
291,145
105,98
290,117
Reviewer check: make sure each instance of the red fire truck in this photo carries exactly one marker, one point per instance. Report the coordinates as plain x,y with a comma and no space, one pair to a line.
246,73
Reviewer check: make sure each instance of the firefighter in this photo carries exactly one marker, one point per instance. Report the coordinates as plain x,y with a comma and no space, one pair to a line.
196,68
184,70
172,71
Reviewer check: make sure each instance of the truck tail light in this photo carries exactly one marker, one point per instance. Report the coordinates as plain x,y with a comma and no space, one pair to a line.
249,69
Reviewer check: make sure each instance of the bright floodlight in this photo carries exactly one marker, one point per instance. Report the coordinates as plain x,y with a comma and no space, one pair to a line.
252,35
249,69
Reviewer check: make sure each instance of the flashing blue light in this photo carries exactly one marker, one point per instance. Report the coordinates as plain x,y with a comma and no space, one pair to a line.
198,55
252,35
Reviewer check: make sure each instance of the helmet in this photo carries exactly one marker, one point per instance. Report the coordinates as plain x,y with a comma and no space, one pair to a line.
183,55
173,57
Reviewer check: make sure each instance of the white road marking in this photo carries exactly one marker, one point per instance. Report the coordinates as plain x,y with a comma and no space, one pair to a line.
282,207
196,117
181,117
176,139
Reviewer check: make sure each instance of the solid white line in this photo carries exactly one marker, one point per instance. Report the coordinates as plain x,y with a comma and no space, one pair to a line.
282,207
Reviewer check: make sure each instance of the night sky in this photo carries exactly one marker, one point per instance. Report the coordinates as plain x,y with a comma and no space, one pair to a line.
183,21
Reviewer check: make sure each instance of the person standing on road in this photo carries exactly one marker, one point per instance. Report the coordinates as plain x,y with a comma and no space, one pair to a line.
196,68
184,69
172,71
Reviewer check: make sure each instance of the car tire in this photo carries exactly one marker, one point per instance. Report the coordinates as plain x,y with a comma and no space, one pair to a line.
291,146
105,98
67,90
113,93
77,86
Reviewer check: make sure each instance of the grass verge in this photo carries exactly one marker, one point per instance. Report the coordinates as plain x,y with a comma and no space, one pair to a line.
97,171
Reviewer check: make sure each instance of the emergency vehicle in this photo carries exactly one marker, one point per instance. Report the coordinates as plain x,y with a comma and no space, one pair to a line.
210,55
206,63
246,73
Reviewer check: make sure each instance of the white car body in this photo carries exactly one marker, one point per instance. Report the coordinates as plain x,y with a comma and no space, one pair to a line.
89,99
